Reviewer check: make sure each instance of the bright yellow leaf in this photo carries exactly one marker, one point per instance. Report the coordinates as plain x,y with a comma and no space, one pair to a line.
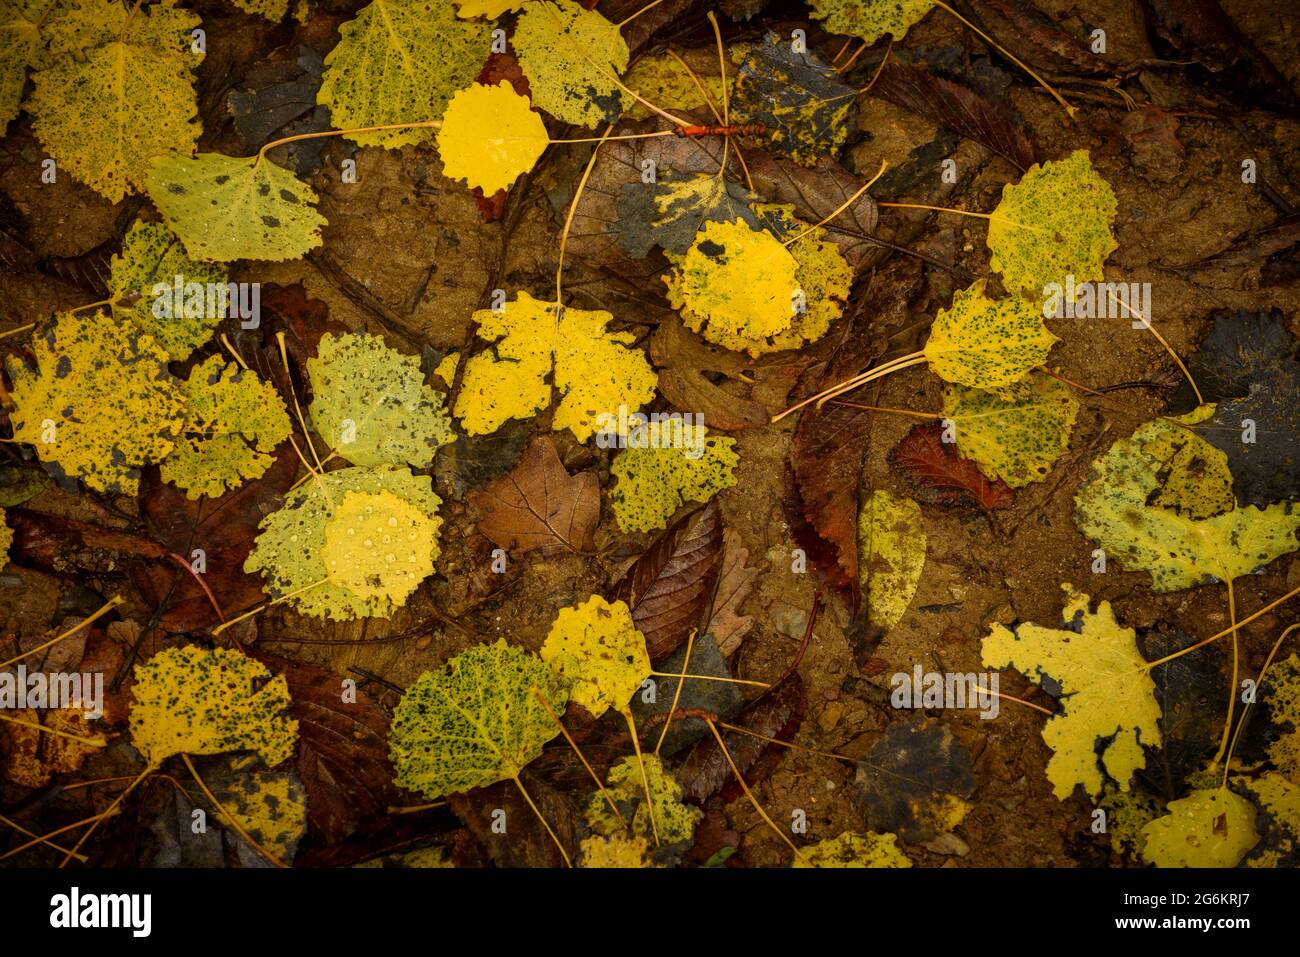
854,850
490,136
1212,827
271,806
379,546
616,850
596,648
490,9
870,19
675,819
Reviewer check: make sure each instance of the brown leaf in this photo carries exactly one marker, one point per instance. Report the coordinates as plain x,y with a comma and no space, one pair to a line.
941,476
1017,23
736,580
669,588
64,546
539,505
525,842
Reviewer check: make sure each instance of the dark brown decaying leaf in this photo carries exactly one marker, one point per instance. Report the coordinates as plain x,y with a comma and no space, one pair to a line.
538,505
670,586
941,476
909,777
524,842
342,751
958,108
1255,246
726,625
64,546
1037,37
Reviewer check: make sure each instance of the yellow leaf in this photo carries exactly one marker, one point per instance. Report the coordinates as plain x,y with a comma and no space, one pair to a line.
1197,480
854,850
735,282
985,343
273,10
616,850
1212,827
1278,821
571,57
191,700
20,48
379,546
1018,439
1054,223
290,550
870,19
271,806
227,207
675,819
1108,704
233,422
490,136
596,648
891,555
6,538
595,371
399,61
371,405
153,257
653,482
490,9
475,722
1282,694
1178,550
101,402
662,80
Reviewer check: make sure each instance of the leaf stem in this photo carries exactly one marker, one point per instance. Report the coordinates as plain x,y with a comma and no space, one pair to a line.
98,741
884,164
937,209
677,694
99,612
421,124
1227,631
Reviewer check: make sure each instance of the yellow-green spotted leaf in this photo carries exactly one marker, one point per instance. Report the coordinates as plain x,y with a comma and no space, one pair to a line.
617,850
891,555
400,61
870,19
1109,710
656,480
143,281
661,79
987,343
371,404
271,806
233,422
854,850
100,403
191,700
475,722
228,207
571,56
1212,827
6,538
20,48
674,819
273,10
599,652
290,550
1052,224
595,371
1115,509
1017,439
490,136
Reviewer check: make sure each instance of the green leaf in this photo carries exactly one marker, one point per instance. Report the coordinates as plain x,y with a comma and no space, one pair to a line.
571,57
870,19
227,207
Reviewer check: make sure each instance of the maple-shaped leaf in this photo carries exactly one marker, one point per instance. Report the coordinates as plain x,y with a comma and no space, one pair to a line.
1054,223
870,19
229,207
598,651
153,257
987,343
891,555
399,61
796,94
674,819
915,780
489,9
735,282
273,10
655,481
538,505
868,849
572,57
475,722
1018,439
233,422
1278,820
1212,827
671,210
1115,510
943,477
1108,700
371,405
594,370
490,136
192,700
100,403
726,625
20,48
291,549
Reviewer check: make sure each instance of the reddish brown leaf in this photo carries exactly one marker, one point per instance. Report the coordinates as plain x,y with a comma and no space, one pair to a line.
63,546
736,580
1023,26
525,842
669,588
943,477
539,505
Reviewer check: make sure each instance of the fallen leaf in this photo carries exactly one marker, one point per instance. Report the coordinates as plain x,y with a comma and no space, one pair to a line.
915,780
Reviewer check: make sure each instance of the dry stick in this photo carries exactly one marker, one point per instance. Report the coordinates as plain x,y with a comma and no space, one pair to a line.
1010,56
748,793
415,808
843,49
97,819
212,599
1232,685
1259,683
26,833
45,838
708,101
1200,399
239,828
98,741
848,385
645,781
677,694
609,799
266,604
546,824
726,103
97,613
